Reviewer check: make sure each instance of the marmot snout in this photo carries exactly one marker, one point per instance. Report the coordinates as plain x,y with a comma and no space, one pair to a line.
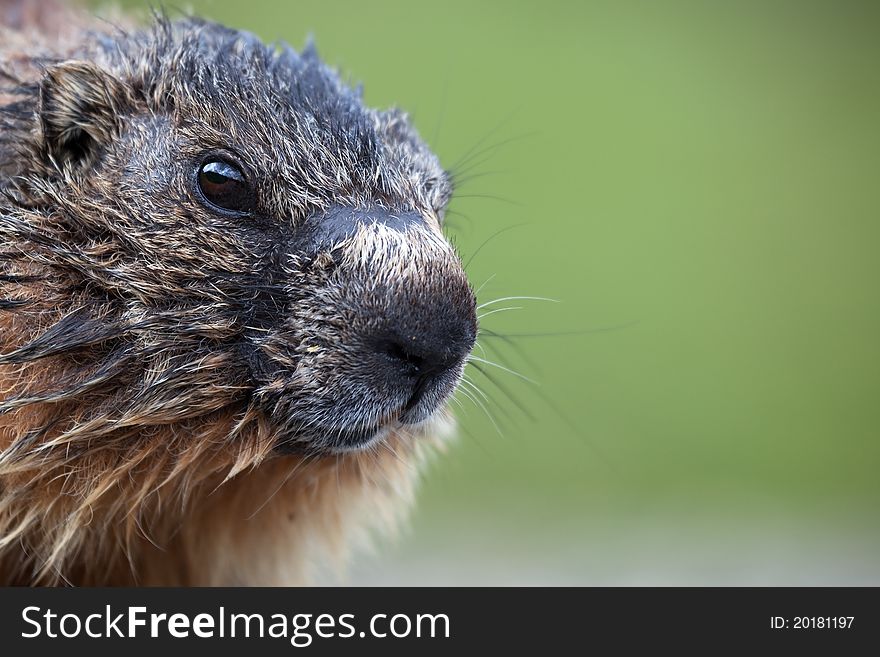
229,319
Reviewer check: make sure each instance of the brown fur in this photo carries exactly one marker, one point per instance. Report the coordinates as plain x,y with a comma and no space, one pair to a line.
98,490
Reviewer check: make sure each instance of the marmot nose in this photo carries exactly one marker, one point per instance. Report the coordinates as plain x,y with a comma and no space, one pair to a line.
417,359
404,356
424,362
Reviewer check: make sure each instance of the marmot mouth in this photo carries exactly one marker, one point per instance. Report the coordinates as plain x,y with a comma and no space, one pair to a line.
348,440
339,439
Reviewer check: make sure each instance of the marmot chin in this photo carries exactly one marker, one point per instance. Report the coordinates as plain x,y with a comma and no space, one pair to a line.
229,318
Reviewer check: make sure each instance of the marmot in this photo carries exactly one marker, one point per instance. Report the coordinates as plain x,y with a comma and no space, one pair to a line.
229,318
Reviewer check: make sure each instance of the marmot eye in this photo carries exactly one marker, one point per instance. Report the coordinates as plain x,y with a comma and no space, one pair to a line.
224,186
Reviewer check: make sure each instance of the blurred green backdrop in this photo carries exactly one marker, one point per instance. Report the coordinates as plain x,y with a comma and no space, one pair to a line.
698,184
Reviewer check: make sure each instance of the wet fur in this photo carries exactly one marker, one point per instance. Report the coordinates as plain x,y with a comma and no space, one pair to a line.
148,373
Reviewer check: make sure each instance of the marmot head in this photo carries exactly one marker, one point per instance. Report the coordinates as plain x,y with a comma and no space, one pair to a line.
202,226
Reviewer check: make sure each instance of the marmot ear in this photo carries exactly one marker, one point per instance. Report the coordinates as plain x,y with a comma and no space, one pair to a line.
80,107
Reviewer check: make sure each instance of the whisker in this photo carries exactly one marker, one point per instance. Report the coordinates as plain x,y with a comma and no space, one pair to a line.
489,239
463,427
501,367
517,349
500,299
473,392
473,386
472,151
492,197
506,415
477,292
579,432
482,349
459,180
482,156
452,225
557,334
506,392
472,161
498,310
479,403
455,400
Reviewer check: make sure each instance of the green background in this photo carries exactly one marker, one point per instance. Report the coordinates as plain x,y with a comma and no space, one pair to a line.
697,184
